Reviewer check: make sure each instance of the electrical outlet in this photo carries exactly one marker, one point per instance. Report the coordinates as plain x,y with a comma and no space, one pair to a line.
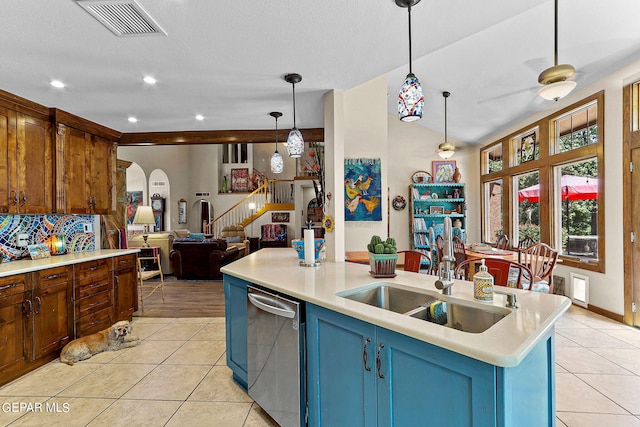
88,227
23,240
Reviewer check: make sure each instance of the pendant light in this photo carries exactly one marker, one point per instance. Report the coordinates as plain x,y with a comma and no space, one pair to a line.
411,97
554,79
295,142
277,164
446,149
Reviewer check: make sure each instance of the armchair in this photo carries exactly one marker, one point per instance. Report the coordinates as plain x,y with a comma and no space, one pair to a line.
235,237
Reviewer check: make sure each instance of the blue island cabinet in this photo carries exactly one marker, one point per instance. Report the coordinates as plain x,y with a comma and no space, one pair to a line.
365,375
235,307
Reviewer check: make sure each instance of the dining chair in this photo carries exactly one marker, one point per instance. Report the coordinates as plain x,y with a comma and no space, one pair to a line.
505,273
413,260
458,250
541,260
524,244
503,242
440,247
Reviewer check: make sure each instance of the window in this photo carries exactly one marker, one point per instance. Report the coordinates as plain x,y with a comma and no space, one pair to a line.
548,186
492,159
527,189
493,207
235,153
576,128
576,201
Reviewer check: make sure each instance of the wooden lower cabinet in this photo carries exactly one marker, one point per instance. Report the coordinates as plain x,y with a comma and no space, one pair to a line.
15,344
235,306
52,310
125,287
93,296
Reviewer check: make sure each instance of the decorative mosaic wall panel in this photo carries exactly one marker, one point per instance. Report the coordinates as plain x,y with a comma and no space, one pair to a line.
40,228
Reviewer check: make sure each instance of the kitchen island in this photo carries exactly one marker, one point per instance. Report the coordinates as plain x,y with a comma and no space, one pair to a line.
373,366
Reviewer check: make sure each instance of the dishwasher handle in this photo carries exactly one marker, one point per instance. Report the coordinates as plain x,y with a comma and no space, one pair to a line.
269,305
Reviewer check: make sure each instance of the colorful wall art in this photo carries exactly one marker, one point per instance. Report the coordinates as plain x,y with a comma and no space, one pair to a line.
362,190
134,199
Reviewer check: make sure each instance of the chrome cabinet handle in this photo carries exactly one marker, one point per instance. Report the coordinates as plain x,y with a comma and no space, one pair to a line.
24,198
379,361
27,311
364,355
14,198
38,305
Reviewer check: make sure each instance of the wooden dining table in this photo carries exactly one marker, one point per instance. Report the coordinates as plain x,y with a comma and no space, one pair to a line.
488,252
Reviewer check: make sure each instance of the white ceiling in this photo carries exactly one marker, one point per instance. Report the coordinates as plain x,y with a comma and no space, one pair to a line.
225,59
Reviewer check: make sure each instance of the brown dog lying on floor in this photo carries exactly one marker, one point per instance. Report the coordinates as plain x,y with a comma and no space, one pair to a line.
113,338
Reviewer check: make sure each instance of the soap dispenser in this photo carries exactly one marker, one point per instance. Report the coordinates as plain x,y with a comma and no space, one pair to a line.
483,284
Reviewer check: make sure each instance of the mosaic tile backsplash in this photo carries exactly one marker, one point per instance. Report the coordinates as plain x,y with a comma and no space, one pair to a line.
40,228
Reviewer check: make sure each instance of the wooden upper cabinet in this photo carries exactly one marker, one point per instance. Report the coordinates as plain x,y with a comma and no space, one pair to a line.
26,164
87,160
34,165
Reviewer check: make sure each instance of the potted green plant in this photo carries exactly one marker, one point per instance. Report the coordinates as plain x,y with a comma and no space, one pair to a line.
383,255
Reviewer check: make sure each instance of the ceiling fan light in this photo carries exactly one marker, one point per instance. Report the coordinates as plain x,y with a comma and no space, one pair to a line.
295,143
557,90
410,99
277,163
446,150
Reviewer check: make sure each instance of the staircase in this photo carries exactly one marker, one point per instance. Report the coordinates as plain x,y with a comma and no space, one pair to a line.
273,195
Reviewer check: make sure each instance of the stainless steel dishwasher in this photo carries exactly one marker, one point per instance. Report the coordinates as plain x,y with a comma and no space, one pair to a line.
275,341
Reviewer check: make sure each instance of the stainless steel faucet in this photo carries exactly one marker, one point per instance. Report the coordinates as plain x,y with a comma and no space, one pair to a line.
511,298
445,269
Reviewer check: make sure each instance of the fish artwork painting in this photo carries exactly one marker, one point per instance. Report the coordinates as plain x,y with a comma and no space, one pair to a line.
362,190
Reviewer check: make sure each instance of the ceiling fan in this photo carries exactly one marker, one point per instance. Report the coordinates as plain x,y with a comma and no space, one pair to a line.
555,80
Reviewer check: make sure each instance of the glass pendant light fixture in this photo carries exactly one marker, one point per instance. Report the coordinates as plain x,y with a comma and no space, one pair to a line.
446,149
295,142
554,79
411,97
277,164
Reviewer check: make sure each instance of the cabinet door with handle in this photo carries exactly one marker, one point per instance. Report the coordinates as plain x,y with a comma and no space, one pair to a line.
341,369
8,172
35,165
16,311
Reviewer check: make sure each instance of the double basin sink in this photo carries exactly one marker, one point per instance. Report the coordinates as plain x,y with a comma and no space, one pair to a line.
419,304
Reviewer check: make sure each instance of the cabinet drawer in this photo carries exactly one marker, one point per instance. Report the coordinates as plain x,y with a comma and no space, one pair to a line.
12,285
93,303
92,285
125,261
52,276
94,322
91,268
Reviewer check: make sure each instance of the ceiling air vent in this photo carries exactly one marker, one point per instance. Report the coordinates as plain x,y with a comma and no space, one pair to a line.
124,18
158,184
203,194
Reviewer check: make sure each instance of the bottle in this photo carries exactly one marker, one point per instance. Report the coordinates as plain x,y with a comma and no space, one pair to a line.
483,284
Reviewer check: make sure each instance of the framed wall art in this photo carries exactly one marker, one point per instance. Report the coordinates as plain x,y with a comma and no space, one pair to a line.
134,199
362,190
443,170
436,210
240,179
280,217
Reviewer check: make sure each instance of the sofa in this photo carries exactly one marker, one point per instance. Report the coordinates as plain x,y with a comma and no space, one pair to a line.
200,259
234,235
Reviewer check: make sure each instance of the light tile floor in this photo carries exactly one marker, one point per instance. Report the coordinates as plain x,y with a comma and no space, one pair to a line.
178,377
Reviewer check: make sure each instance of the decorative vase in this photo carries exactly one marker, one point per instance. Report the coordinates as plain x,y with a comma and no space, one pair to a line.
456,175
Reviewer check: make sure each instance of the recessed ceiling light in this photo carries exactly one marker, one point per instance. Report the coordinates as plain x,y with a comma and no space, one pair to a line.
56,83
199,117
132,119
150,80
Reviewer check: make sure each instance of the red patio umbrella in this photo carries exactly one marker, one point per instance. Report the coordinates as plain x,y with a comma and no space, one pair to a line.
573,188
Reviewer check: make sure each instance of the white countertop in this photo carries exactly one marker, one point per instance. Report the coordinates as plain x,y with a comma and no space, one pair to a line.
504,344
27,265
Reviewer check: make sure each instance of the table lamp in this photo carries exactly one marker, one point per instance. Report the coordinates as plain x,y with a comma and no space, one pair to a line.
144,215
